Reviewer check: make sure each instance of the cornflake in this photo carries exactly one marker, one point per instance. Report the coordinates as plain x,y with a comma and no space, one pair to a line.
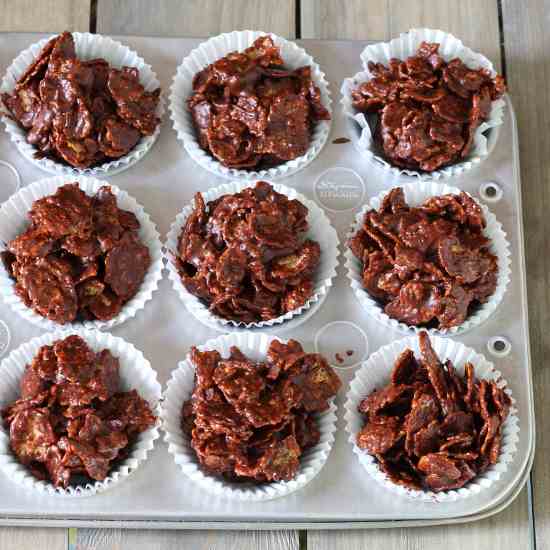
250,112
73,423
428,265
428,110
243,254
430,428
252,421
81,113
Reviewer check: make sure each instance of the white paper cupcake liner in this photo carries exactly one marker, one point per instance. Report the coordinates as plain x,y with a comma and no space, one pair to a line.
209,52
135,373
401,48
14,220
416,194
179,389
375,374
320,230
88,46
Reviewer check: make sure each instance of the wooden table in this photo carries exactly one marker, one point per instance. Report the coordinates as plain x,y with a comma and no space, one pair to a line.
513,35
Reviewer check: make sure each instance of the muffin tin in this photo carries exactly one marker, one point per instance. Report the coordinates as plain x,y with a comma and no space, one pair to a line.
158,495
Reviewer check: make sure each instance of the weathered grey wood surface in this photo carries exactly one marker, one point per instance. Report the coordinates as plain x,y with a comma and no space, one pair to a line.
116,539
527,46
44,15
195,17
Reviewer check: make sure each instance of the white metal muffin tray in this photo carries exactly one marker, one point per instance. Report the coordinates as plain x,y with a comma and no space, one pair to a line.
158,495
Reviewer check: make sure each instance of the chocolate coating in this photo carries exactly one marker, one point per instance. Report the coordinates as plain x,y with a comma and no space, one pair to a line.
82,113
428,265
81,257
427,110
72,423
252,421
250,112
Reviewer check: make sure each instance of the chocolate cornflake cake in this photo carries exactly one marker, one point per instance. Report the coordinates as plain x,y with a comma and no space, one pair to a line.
429,265
252,421
427,110
431,428
251,112
245,255
72,422
80,258
82,113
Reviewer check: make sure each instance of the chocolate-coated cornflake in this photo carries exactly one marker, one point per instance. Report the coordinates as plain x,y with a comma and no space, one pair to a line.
431,428
244,256
250,112
80,258
252,421
73,423
429,265
82,113
428,110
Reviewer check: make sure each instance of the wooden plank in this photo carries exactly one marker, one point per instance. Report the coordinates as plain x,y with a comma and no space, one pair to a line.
385,19
115,539
23,538
476,23
506,530
528,68
44,15
191,18
194,17
349,20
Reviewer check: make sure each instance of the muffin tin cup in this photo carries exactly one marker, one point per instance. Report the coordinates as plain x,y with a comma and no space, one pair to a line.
179,389
401,48
375,374
14,220
209,52
135,373
88,46
416,194
320,230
